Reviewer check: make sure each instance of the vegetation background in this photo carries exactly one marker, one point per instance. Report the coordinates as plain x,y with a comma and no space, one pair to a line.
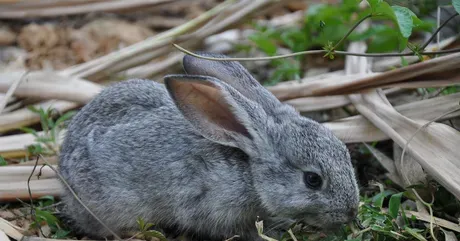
383,75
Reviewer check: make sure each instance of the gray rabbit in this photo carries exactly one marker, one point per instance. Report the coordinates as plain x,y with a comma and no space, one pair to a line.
209,153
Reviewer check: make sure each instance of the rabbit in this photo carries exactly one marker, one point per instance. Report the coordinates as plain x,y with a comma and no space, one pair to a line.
208,153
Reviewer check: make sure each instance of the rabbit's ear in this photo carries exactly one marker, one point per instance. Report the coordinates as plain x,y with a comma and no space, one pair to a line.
233,74
217,110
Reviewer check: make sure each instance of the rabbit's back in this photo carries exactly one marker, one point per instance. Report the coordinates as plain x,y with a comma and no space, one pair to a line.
130,154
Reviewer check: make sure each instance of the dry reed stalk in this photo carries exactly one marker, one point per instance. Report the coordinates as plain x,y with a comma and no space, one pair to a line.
438,221
151,69
14,146
49,85
10,230
357,129
52,160
11,191
435,146
77,7
3,236
10,90
18,4
359,82
22,173
307,104
388,164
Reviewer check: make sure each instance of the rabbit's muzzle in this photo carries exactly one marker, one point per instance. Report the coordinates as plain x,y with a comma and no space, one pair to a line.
330,220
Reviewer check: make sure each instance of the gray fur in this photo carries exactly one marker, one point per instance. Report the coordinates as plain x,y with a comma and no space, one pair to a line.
131,152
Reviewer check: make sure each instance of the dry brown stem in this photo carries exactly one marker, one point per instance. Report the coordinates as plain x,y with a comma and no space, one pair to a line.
59,8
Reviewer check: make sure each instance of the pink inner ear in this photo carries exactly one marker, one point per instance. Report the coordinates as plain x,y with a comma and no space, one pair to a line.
209,102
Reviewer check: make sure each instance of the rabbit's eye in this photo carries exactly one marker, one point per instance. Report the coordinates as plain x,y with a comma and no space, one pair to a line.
313,180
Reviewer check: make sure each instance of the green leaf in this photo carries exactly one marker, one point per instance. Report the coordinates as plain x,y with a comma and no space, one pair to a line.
3,161
154,234
404,20
421,25
295,39
33,109
46,216
140,221
65,117
60,234
404,61
44,139
384,9
351,3
35,149
46,201
374,4
263,43
377,200
28,130
415,233
401,16
395,203
384,39
456,4
402,42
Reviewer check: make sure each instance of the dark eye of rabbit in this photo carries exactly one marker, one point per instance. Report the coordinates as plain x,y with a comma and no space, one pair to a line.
313,180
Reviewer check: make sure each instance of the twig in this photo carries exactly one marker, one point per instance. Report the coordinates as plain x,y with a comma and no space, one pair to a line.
332,50
437,30
10,91
436,93
232,238
292,235
32,210
314,52
79,200
78,8
428,205
10,229
422,127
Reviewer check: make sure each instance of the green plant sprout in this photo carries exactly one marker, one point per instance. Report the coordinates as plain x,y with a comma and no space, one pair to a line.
146,231
48,141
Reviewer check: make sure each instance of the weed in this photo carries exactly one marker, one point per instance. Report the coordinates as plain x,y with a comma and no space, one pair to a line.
146,231
44,215
3,161
48,140
325,24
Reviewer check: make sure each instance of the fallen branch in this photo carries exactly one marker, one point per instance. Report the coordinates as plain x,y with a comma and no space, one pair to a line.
360,82
76,7
11,191
49,85
307,104
9,229
434,147
21,173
